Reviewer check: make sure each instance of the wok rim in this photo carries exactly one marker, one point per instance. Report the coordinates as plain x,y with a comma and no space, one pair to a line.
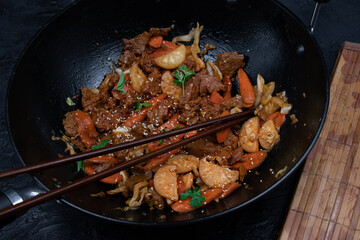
199,219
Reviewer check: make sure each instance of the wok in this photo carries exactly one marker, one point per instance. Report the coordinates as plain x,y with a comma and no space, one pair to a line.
77,48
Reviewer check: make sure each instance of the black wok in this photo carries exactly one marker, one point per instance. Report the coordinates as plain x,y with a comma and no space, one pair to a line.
76,50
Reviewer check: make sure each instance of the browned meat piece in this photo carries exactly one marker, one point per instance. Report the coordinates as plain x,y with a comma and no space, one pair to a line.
147,63
190,62
231,141
236,156
138,44
129,100
235,101
202,147
160,31
126,60
89,100
162,112
208,83
106,120
192,89
153,84
140,130
70,125
189,112
106,86
229,62
209,110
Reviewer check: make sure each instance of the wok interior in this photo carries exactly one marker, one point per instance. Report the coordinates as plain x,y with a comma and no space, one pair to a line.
75,51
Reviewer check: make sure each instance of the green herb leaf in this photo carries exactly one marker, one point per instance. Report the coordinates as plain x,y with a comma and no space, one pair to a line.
197,198
101,144
69,101
182,75
120,85
140,105
163,47
166,130
80,166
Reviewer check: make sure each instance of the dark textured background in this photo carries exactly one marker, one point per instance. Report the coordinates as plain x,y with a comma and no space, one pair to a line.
20,20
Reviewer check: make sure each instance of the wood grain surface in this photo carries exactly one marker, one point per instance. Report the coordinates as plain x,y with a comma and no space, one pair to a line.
326,204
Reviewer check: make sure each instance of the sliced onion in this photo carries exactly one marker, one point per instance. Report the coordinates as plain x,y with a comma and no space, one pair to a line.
209,69
195,49
214,69
185,38
260,88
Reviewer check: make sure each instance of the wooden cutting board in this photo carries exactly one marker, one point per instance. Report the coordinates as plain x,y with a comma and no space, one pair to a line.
326,204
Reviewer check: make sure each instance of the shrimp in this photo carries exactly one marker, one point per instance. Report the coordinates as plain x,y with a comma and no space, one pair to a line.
248,138
216,176
165,182
268,135
184,163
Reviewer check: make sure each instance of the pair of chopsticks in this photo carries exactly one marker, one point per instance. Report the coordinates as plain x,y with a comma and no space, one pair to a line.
215,126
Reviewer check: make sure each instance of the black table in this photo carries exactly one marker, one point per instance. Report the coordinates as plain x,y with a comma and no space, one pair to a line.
21,19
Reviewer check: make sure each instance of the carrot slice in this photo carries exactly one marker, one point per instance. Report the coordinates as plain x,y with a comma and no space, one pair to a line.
113,179
229,188
253,160
184,205
246,89
157,161
222,135
170,124
216,97
277,118
155,41
165,48
86,128
228,86
103,159
141,115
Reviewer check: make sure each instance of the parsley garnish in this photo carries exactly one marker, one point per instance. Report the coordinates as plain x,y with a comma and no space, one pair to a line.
166,130
120,85
182,75
197,198
163,47
139,105
102,143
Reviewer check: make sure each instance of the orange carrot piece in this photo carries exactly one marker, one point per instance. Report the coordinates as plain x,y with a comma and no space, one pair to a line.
141,115
86,128
253,160
216,98
246,89
229,188
235,166
113,179
184,205
165,48
155,41
170,124
191,133
277,118
222,135
228,86
103,159
157,161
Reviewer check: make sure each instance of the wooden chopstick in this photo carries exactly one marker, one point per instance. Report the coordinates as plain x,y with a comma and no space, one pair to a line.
118,147
58,192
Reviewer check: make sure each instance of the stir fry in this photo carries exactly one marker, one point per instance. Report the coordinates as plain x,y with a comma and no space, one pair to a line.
161,85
